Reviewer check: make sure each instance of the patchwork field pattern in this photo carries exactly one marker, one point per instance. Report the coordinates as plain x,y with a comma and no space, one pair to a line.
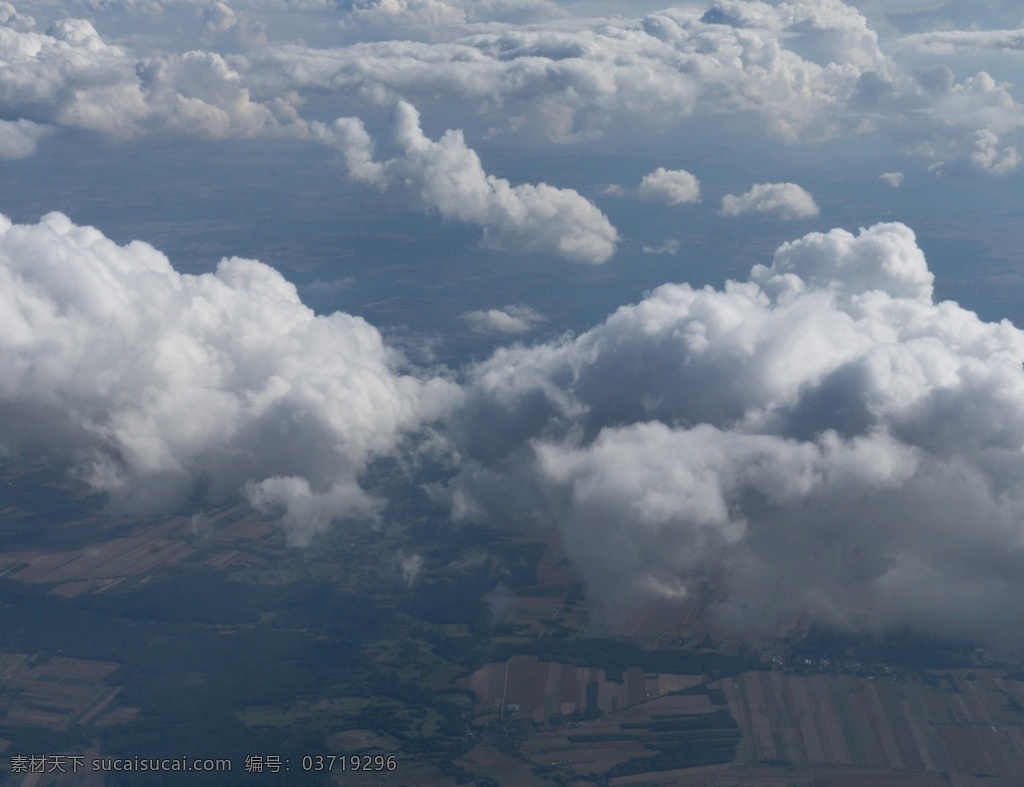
962,723
540,690
58,692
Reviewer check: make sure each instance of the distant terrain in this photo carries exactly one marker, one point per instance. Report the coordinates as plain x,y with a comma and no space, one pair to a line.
478,662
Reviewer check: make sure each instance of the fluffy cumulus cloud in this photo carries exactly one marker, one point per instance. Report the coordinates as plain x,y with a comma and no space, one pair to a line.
437,13
165,390
788,68
975,122
989,156
18,138
10,17
70,76
673,187
892,179
786,201
448,177
512,319
822,439
797,71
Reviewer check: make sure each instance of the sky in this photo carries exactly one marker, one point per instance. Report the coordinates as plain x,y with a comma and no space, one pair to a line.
724,293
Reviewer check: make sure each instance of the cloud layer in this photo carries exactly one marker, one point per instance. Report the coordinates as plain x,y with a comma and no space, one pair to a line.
821,439
71,77
801,71
167,390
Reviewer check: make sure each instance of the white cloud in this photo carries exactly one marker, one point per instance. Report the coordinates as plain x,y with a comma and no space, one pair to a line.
988,157
69,76
798,71
514,318
18,139
909,15
447,176
10,17
949,42
784,201
163,389
885,259
824,413
576,78
821,439
979,99
219,17
673,187
975,119
409,12
305,512
670,246
438,13
412,567
199,93
893,179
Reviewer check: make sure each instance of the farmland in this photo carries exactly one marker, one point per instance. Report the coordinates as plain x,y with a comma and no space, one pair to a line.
538,690
106,551
58,692
960,723
204,633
